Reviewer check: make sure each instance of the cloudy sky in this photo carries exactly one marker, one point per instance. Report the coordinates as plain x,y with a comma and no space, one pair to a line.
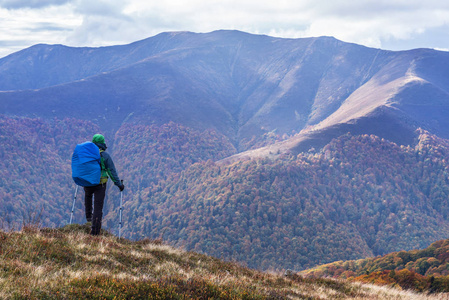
386,24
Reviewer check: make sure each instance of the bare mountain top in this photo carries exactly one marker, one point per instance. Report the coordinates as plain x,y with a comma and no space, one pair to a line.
401,97
239,84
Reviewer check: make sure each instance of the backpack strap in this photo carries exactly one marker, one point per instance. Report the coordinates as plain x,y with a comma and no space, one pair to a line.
103,167
104,173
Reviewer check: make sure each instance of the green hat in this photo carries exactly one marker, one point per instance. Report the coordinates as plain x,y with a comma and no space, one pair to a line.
98,138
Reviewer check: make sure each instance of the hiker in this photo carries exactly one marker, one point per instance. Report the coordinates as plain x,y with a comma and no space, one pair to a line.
98,192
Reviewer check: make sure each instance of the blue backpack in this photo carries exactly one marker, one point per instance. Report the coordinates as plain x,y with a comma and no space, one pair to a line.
86,164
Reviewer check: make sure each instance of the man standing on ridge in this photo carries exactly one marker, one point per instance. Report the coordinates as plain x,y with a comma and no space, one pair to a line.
99,191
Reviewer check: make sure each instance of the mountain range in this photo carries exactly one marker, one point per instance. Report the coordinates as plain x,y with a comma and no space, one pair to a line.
183,113
239,84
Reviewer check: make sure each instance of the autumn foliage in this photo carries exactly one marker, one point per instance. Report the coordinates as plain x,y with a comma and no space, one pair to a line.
360,196
35,174
420,270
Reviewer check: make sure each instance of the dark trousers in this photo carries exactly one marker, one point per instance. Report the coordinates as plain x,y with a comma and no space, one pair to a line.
97,192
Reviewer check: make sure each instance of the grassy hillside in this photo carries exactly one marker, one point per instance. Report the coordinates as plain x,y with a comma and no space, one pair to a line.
67,263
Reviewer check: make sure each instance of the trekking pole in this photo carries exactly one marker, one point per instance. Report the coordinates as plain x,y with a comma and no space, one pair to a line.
73,205
120,213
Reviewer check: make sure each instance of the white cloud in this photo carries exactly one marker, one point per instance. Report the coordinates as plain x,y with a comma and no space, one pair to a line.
108,8
25,27
17,4
372,23
382,23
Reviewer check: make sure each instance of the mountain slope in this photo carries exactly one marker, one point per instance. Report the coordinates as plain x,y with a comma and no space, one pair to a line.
67,263
421,270
401,97
42,66
35,163
360,196
35,168
240,84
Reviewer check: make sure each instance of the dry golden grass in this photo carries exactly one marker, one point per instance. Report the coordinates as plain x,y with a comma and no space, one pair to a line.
68,263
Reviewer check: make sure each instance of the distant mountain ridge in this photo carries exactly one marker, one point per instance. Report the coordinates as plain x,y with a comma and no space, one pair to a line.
59,64
239,84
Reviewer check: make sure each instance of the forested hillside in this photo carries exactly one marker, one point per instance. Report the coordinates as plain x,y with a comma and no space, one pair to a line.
147,155
358,197
422,270
35,174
